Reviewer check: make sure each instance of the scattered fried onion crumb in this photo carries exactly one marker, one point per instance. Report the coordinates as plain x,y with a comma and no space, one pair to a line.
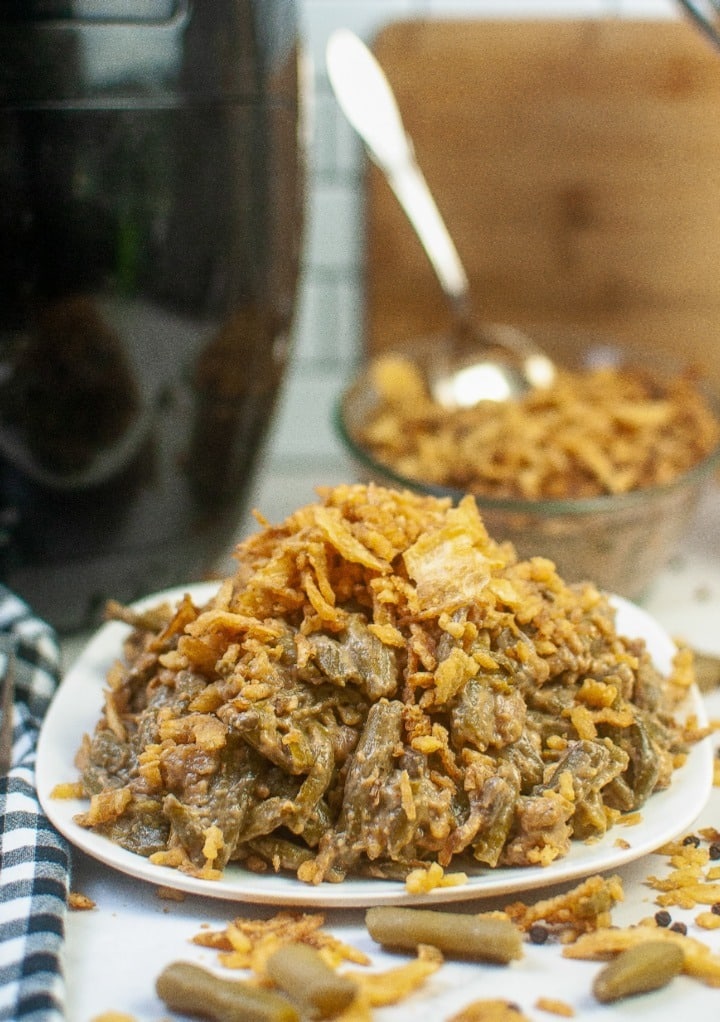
248,943
699,960
555,1007
709,834
170,894
582,909
490,1010
113,1016
424,880
708,921
688,895
79,902
691,881
378,989
630,819
69,790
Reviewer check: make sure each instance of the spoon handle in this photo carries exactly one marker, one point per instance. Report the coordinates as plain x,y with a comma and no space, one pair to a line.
706,21
413,194
366,98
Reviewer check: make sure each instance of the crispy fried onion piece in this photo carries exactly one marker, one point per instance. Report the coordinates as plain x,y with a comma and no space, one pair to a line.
248,943
491,1009
699,961
585,908
379,989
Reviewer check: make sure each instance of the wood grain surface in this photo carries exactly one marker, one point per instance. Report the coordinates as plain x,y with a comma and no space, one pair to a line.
577,164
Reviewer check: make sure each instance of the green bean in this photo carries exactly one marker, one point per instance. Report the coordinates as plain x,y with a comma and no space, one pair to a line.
481,938
639,969
357,657
288,855
316,988
372,763
318,824
644,769
318,778
494,806
192,990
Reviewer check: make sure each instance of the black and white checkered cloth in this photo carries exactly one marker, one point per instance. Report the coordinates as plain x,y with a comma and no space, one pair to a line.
34,858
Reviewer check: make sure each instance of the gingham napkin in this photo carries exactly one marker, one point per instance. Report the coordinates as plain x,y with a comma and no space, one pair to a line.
34,858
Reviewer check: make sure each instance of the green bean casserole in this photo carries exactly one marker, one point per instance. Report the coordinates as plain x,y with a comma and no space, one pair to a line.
378,687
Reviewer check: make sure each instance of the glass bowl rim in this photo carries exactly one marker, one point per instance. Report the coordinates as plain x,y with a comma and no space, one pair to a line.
545,507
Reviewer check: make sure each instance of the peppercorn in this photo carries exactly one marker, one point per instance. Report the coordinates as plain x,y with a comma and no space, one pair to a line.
714,850
663,917
692,839
715,909
538,933
679,928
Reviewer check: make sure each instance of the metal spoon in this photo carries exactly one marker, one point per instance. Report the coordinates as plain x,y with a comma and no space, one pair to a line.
706,17
496,363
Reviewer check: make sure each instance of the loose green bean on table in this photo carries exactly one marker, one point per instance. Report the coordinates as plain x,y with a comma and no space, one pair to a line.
637,970
313,985
195,991
481,938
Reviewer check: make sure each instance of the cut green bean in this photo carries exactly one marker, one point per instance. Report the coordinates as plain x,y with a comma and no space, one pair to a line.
192,990
480,938
639,969
314,986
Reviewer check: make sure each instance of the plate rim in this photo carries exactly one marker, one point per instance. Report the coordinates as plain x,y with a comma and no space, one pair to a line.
88,675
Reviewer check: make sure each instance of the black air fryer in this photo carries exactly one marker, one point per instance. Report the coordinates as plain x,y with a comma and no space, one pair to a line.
150,214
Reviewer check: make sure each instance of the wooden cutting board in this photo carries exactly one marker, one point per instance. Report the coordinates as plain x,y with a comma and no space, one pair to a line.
577,164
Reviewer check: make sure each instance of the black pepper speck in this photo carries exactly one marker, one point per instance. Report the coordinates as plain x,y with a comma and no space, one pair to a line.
538,933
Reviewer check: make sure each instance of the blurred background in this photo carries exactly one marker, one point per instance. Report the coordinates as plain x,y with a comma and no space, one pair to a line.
330,325
630,176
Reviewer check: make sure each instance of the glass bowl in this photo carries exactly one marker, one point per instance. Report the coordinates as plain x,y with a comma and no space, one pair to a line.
618,541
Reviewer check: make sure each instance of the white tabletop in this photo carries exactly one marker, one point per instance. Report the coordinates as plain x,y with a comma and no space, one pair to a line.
115,951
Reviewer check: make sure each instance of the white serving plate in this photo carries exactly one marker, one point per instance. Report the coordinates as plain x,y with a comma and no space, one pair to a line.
77,706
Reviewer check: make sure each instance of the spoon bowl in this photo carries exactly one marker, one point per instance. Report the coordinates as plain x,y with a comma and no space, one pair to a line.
618,540
493,363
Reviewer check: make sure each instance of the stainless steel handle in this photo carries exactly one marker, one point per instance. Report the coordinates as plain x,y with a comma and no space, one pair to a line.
367,100
706,16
